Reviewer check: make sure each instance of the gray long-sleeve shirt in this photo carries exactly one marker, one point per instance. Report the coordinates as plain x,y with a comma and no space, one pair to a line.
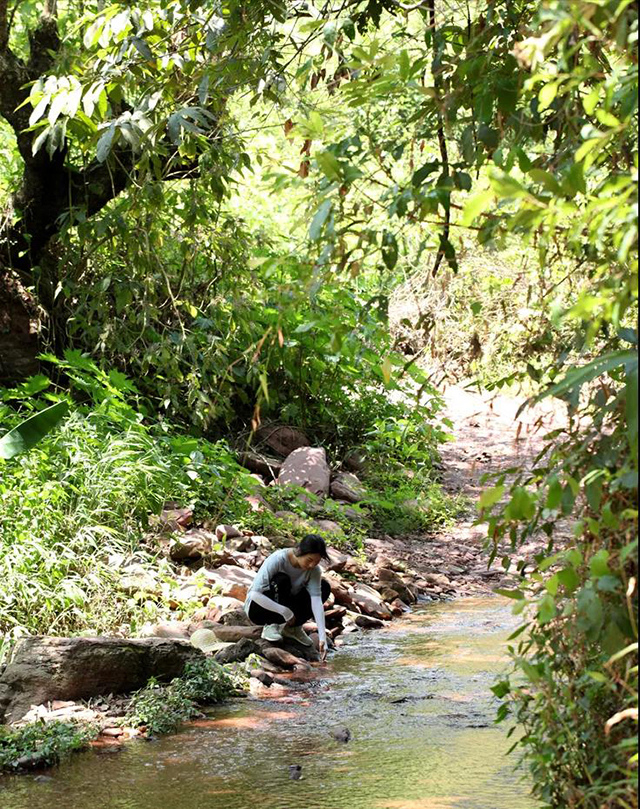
279,562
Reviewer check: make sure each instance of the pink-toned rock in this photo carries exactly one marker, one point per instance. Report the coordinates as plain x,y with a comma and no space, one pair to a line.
221,557
354,566
398,604
234,634
346,486
241,544
280,657
280,439
224,532
171,629
307,467
337,561
370,602
174,518
232,581
193,545
339,591
327,526
224,604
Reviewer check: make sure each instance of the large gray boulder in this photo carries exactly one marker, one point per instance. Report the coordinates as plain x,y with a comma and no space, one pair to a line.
44,669
307,467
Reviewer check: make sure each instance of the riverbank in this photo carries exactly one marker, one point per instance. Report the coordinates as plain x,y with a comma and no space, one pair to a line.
388,578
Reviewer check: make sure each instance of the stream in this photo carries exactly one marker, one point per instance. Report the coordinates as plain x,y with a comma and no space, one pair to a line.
415,697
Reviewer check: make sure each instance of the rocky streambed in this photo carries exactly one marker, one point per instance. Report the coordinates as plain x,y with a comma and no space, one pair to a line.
414,697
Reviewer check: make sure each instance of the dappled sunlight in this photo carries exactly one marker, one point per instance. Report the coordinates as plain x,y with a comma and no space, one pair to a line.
449,802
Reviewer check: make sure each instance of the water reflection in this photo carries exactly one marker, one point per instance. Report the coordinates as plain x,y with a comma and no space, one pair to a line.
415,697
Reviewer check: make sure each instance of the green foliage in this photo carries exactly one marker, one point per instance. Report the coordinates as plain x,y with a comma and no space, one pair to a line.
41,744
205,682
84,498
160,709
29,432
163,708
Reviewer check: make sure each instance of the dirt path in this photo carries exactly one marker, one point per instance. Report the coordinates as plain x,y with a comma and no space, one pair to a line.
488,438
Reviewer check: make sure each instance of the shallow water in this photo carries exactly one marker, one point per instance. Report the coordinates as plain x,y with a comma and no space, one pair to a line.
415,697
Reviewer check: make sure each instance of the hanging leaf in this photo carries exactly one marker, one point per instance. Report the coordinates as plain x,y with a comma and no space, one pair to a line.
32,430
389,250
386,369
318,221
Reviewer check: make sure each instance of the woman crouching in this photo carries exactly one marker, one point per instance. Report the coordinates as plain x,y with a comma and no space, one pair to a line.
287,590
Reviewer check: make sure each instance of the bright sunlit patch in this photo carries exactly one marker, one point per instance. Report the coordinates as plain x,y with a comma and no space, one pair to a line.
239,722
448,802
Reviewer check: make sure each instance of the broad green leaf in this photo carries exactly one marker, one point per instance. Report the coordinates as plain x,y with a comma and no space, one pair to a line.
490,497
389,250
590,101
547,609
554,494
569,579
329,165
546,179
506,186
516,595
547,95
422,173
631,405
590,612
29,432
552,585
475,206
576,377
599,564
633,647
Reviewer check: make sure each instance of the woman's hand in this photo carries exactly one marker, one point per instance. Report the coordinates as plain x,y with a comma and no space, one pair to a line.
322,649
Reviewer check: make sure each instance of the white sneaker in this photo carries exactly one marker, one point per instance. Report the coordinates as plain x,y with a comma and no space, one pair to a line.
297,633
272,632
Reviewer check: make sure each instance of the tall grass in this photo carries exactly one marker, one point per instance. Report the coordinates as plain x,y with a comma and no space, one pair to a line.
79,500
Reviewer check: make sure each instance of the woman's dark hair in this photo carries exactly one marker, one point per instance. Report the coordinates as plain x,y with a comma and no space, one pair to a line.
312,543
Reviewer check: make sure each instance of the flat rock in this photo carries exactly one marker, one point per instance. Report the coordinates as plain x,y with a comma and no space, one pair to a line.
232,581
237,652
233,634
337,561
370,602
224,532
192,545
327,526
368,622
43,669
307,467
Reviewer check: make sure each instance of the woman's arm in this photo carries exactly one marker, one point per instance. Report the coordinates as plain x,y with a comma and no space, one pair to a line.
317,607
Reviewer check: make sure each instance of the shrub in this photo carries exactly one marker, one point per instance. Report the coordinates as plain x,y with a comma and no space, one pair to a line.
41,744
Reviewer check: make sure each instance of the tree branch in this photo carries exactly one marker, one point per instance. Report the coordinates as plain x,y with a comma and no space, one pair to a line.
442,142
4,25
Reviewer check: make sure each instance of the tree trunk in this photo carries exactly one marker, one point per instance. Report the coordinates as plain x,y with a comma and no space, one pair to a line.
19,332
